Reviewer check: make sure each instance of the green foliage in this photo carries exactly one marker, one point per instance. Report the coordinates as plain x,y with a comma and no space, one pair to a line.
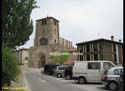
10,68
16,29
16,23
59,59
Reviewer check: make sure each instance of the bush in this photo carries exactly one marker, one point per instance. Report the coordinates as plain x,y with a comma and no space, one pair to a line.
59,59
10,68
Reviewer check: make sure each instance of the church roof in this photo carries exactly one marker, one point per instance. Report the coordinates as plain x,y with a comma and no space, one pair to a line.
47,18
68,62
72,50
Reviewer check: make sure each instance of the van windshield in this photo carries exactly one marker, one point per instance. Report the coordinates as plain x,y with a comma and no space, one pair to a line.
107,65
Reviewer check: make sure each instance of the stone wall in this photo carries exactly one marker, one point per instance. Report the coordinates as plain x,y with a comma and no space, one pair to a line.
37,54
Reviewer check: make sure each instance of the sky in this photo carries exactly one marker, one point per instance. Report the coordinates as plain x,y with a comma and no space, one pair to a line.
82,20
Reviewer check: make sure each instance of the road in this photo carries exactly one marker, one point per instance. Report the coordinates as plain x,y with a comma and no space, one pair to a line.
41,82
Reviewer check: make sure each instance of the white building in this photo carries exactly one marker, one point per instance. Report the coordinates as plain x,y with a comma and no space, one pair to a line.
23,55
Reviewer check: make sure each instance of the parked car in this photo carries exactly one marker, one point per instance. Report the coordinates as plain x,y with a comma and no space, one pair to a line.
90,71
68,72
121,81
113,78
49,68
59,71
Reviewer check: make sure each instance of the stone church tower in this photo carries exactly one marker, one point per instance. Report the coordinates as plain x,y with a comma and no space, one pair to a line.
46,41
47,32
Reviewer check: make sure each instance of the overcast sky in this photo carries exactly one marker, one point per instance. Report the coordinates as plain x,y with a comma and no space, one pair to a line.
82,20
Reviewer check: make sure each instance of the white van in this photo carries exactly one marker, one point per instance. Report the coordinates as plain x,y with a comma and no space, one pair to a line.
90,71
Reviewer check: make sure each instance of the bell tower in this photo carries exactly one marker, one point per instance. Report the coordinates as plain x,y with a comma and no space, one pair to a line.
47,32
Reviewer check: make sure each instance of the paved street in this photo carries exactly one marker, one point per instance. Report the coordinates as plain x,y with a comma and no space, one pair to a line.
41,82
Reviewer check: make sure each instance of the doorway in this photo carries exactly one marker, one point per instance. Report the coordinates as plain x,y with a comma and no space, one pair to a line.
42,60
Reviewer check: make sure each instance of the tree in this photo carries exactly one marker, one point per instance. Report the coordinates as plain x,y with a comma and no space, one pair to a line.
16,29
10,68
59,59
16,23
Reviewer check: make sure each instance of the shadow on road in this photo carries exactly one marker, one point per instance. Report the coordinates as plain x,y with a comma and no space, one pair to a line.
89,83
103,88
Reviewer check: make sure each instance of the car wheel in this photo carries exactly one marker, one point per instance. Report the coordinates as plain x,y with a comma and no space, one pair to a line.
68,77
59,75
106,86
81,80
112,85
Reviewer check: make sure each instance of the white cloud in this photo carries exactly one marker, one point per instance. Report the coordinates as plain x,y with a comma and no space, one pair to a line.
83,20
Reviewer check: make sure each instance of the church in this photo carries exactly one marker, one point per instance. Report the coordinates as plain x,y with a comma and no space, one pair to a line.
47,40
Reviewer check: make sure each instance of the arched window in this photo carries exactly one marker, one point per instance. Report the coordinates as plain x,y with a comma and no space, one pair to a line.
26,58
43,41
55,41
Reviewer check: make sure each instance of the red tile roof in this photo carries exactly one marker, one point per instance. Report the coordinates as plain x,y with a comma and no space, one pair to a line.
72,50
68,62
47,18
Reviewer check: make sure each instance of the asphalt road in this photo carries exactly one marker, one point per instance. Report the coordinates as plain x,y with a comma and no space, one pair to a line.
42,82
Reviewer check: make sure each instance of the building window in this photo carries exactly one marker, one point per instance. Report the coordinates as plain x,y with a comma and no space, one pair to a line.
114,48
88,57
26,58
87,48
43,22
115,59
55,31
81,57
43,32
95,47
95,56
54,22
81,51
83,48
43,41
55,41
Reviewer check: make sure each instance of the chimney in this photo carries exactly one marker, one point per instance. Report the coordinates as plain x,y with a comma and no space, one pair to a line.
112,38
120,40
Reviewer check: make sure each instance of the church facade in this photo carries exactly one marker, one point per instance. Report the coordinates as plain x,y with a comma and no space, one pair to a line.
47,40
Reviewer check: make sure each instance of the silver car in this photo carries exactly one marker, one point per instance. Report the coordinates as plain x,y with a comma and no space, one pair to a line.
112,77
59,71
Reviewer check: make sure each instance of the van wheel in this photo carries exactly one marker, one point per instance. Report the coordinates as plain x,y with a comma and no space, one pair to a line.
81,80
68,77
112,85
59,75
